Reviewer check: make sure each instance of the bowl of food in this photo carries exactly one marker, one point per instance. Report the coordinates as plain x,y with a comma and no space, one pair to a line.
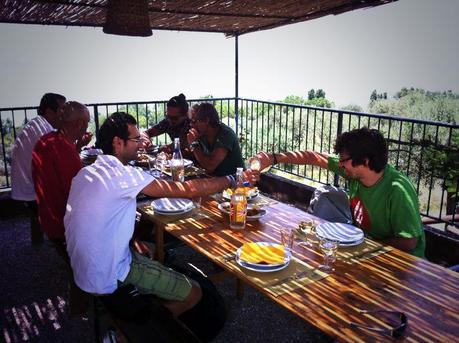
254,212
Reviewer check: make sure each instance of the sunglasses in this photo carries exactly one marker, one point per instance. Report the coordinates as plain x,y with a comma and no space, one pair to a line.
395,332
344,160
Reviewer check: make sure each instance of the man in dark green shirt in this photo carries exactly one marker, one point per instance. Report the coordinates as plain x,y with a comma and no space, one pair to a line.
215,145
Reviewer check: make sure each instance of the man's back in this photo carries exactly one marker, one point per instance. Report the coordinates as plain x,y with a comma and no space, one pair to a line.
55,162
99,222
22,187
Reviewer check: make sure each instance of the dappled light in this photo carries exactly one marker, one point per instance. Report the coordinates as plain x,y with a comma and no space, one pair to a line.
25,322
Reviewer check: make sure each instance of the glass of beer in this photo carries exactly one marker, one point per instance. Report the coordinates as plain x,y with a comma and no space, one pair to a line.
238,211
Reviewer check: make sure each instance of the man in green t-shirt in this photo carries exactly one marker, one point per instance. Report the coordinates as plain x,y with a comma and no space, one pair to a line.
214,145
383,201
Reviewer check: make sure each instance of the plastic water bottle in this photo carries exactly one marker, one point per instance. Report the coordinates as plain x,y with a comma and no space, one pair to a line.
176,163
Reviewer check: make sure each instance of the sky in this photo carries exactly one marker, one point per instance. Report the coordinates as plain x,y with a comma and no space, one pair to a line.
409,43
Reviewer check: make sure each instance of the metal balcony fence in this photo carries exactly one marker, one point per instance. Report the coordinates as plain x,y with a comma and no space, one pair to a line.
426,151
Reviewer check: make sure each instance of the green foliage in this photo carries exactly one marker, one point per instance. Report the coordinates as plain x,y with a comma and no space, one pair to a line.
352,107
419,104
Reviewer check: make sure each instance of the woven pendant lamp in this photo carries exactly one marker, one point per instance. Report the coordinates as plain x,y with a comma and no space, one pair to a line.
127,18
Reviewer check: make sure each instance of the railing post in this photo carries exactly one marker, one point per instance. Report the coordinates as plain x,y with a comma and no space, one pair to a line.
96,118
236,79
339,130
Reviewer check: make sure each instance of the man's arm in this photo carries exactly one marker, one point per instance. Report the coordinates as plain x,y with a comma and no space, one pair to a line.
212,161
193,188
293,157
405,244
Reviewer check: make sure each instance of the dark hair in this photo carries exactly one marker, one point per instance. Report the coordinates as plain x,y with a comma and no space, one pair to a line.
51,101
207,110
180,102
363,144
116,125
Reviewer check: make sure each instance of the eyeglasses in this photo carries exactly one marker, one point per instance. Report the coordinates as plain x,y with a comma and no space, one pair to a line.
344,160
395,332
135,139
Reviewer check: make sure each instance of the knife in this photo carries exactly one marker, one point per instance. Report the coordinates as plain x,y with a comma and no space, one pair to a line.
296,276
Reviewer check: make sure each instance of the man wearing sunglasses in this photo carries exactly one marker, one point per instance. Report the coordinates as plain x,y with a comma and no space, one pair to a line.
214,145
176,124
383,201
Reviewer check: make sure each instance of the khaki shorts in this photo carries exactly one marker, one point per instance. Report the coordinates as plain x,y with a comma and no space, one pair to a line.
151,277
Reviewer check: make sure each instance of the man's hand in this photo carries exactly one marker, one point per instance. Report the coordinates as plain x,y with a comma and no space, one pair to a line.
192,135
145,140
266,160
252,176
84,140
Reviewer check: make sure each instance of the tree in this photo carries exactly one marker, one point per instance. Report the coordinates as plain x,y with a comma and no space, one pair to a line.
320,93
374,96
311,94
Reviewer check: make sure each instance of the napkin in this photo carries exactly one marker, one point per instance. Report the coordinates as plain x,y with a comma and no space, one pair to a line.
259,253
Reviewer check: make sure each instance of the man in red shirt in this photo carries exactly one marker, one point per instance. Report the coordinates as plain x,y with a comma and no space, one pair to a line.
55,161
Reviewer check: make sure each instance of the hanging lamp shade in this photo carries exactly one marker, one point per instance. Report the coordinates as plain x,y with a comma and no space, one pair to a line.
127,18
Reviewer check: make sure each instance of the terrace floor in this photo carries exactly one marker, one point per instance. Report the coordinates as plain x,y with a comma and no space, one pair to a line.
34,302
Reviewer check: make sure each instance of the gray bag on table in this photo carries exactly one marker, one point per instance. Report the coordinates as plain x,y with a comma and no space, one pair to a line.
332,204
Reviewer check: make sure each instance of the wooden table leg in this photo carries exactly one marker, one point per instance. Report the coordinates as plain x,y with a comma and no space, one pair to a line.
159,242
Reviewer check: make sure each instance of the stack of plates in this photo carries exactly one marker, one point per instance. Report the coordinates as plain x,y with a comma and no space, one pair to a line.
172,206
263,267
347,235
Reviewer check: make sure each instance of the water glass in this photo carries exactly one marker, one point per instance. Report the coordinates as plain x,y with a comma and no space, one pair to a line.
197,203
329,248
287,237
308,227
159,164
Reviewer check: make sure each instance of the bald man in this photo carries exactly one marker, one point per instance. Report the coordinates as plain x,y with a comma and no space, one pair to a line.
55,161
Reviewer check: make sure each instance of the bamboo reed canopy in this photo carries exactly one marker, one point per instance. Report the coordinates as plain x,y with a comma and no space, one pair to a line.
232,18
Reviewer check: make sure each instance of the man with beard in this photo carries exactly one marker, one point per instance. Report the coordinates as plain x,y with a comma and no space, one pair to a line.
383,201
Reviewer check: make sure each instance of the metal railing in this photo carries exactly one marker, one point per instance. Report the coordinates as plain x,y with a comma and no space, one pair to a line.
418,148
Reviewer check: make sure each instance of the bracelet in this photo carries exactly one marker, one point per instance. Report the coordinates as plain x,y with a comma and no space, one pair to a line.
275,159
194,145
232,180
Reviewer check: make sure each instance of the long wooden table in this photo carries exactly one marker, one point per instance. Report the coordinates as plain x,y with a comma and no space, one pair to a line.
425,292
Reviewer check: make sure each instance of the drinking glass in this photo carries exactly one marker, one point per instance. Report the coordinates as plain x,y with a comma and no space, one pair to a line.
254,163
308,227
287,237
329,248
159,164
197,203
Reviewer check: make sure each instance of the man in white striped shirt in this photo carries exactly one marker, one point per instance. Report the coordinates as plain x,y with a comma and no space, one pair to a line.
22,187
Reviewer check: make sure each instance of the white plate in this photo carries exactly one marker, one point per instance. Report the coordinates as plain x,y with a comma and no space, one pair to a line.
264,268
225,206
186,163
172,205
174,213
344,233
351,244
227,196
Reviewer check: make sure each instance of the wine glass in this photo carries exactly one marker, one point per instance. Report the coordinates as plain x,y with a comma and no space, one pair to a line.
254,163
329,248
308,228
